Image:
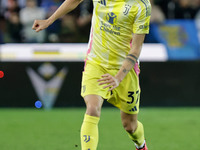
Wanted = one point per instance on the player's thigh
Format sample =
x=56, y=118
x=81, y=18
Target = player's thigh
x=127, y=95
x=93, y=101
x=93, y=104
x=90, y=84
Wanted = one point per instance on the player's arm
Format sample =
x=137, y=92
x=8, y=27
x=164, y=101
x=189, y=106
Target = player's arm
x=127, y=65
x=66, y=7
x=132, y=57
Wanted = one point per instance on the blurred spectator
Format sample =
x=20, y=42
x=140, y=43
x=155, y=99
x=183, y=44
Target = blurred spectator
x=1, y=38
x=11, y=7
x=198, y=24
x=69, y=32
x=75, y=26
x=85, y=16
x=197, y=19
x=3, y=4
x=179, y=9
x=11, y=14
x=21, y=3
x=39, y=2
x=14, y=28
x=50, y=6
x=84, y=20
x=189, y=8
x=157, y=16
x=2, y=29
x=27, y=17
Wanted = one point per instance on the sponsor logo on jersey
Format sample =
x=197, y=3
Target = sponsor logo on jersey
x=111, y=18
x=112, y=29
x=143, y=26
x=110, y=26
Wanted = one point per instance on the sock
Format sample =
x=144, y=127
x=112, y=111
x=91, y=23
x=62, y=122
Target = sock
x=138, y=135
x=89, y=133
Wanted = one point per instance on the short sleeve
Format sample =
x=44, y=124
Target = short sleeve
x=142, y=19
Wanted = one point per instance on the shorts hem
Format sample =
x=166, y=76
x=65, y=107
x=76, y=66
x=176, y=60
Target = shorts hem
x=104, y=97
x=124, y=110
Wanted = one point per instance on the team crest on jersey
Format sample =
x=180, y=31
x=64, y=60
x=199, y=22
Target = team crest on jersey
x=111, y=18
x=127, y=9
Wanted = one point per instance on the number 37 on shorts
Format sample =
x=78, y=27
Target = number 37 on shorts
x=133, y=100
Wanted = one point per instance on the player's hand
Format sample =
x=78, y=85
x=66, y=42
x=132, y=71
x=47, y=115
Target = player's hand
x=111, y=81
x=39, y=25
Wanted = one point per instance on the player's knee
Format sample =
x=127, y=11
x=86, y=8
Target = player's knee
x=129, y=127
x=93, y=110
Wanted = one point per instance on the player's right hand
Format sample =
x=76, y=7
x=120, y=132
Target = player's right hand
x=110, y=81
x=39, y=25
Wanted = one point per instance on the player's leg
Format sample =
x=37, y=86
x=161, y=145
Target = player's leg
x=89, y=129
x=134, y=129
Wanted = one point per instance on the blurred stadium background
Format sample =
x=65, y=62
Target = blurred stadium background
x=47, y=67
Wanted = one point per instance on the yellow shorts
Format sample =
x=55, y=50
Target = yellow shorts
x=126, y=96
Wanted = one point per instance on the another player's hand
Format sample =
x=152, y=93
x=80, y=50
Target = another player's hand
x=110, y=81
x=39, y=25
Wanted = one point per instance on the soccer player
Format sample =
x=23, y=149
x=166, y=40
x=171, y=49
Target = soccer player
x=111, y=67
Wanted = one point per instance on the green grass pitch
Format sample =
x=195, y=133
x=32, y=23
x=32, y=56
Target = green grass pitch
x=58, y=129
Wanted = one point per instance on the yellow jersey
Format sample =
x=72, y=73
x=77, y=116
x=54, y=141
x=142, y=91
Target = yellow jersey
x=113, y=24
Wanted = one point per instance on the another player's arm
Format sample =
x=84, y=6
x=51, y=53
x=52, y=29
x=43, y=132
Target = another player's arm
x=127, y=65
x=66, y=7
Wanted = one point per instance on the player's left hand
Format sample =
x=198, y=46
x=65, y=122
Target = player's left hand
x=111, y=81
